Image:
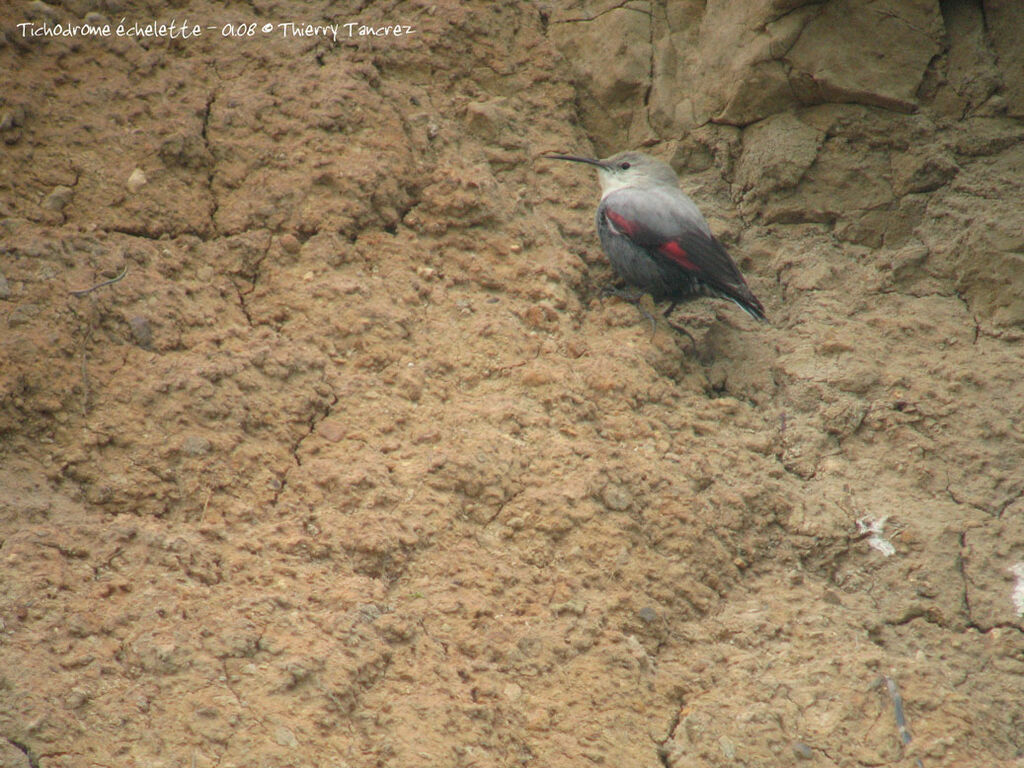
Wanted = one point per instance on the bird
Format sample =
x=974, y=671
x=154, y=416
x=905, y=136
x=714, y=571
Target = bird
x=657, y=239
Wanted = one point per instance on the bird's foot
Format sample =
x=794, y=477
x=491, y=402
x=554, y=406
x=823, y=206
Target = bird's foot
x=634, y=296
x=678, y=328
x=624, y=292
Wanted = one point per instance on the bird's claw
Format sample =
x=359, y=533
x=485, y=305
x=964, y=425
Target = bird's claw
x=680, y=329
x=634, y=297
x=627, y=293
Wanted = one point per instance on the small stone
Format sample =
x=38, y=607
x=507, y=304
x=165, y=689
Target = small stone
x=285, y=738
x=539, y=315
x=12, y=118
x=647, y=615
x=573, y=607
x=186, y=151
x=616, y=498
x=77, y=698
x=195, y=445
x=58, y=199
x=802, y=751
x=290, y=243
x=487, y=118
x=5, y=287
x=136, y=181
x=728, y=747
x=332, y=431
x=39, y=10
x=142, y=331
x=830, y=597
x=536, y=375
x=22, y=315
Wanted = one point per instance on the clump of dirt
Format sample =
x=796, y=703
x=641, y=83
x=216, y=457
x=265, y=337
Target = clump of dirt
x=346, y=460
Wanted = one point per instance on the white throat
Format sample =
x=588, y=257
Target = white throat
x=611, y=182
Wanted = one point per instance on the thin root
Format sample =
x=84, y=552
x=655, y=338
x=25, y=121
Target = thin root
x=111, y=281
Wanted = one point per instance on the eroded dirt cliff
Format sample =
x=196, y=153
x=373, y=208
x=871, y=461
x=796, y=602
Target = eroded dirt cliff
x=355, y=466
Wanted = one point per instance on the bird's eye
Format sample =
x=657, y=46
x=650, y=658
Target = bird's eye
x=624, y=166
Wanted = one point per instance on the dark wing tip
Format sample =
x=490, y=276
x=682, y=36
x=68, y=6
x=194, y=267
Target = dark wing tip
x=757, y=310
x=748, y=302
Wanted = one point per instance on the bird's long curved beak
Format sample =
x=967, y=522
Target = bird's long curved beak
x=575, y=159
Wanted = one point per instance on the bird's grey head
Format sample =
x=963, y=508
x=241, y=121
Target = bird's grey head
x=628, y=169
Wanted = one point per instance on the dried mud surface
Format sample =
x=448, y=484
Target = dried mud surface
x=356, y=467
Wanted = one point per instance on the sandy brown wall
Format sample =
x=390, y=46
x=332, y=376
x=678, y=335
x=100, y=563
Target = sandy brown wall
x=355, y=466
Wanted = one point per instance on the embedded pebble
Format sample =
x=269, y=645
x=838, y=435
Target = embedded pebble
x=194, y=445
x=142, y=331
x=136, y=181
x=59, y=198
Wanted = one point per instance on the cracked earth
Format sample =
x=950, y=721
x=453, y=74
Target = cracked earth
x=355, y=465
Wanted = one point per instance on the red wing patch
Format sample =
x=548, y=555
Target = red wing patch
x=674, y=251
x=624, y=225
x=670, y=248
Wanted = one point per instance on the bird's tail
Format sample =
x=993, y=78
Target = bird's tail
x=751, y=306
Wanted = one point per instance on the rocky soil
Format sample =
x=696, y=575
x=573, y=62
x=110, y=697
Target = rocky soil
x=347, y=462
